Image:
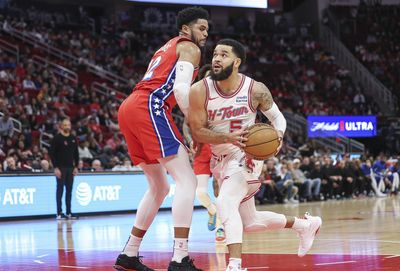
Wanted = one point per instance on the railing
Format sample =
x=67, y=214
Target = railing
x=340, y=144
x=17, y=124
x=10, y=48
x=107, y=91
x=57, y=69
x=55, y=52
x=106, y=75
x=44, y=139
x=383, y=96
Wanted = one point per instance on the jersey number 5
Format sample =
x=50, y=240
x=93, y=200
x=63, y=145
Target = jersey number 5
x=235, y=125
x=152, y=65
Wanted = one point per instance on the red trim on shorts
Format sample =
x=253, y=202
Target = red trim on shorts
x=220, y=93
x=255, y=192
x=250, y=95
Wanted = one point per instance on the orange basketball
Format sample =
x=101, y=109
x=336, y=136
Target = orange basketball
x=263, y=141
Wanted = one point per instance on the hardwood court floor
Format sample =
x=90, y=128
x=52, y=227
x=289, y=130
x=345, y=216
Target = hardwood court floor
x=361, y=234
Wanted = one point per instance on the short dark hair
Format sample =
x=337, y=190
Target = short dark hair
x=190, y=15
x=237, y=48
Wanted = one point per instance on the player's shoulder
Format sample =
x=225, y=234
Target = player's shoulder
x=187, y=46
x=199, y=85
x=259, y=86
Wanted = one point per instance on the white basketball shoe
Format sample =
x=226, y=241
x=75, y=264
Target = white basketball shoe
x=307, y=235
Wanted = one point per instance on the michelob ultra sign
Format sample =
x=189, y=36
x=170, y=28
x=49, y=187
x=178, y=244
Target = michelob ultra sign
x=348, y=126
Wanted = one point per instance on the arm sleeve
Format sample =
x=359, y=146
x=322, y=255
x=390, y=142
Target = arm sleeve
x=276, y=117
x=183, y=79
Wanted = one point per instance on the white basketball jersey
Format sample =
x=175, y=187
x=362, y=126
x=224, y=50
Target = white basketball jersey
x=228, y=113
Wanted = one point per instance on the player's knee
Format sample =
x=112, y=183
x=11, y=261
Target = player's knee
x=160, y=191
x=224, y=206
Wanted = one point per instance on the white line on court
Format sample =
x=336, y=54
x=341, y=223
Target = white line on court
x=332, y=263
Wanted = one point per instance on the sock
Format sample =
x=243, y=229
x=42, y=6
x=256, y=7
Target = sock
x=218, y=223
x=300, y=224
x=131, y=248
x=235, y=263
x=180, y=249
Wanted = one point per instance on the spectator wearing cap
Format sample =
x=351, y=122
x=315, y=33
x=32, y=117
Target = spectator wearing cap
x=310, y=187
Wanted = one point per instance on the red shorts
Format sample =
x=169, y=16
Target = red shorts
x=149, y=130
x=201, y=163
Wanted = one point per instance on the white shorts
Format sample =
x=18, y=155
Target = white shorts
x=224, y=166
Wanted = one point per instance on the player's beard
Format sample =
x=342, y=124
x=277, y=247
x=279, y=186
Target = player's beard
x=196, y=41
x=223, y=74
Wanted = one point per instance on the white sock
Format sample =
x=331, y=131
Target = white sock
x=300, y=224
x=131, y=248
x=235, y=263
x=180, y=249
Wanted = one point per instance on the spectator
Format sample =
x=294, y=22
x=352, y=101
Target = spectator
x=65, y=157
x=84, y=152
x=11, y=165
x=96, y=165
x=310, y=187
x=45, y=165
x=6, y=125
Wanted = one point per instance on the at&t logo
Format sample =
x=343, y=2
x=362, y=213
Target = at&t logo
x=85, y=195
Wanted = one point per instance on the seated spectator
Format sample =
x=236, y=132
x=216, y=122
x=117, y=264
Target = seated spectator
x=310, y=187
x=28, y=83
x=10, y=165
x=96, y=165
x=125, y=166
x=45, y=166
x=286, y=185
x=335, y=178
x=269, y=191
x=6, y=125
x=84, y=152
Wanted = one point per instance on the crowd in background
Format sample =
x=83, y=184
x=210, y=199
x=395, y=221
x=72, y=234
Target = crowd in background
x=372, y=33
x=302, y=76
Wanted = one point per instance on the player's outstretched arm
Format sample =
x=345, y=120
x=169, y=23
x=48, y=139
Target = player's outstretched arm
x=198, y=120
x=188, y=58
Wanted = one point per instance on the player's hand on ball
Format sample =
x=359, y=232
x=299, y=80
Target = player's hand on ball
x=237, y=138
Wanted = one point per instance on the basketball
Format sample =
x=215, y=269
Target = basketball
x=263, y=141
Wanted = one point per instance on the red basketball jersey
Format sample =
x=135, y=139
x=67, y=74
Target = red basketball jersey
x=160, y=75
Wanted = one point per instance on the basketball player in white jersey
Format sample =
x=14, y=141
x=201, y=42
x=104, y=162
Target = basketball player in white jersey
x=221, y=107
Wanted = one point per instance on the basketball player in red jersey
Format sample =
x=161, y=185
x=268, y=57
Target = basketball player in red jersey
x=154, y=142
x=222, y=106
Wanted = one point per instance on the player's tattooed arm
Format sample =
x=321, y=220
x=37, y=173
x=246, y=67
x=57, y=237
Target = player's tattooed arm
x=261, y=97
x=198, y=120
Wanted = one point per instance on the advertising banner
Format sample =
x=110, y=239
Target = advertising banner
x=348, y=126
x=36, y=195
